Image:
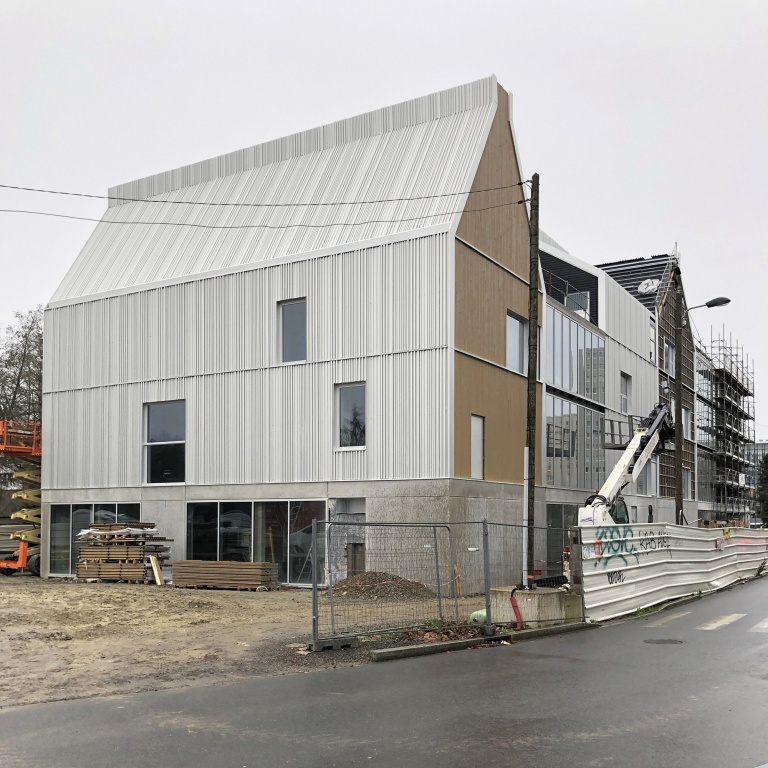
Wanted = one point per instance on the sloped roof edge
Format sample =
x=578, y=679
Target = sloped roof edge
x=397, y=116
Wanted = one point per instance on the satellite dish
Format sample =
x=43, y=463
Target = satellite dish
x=648, y=286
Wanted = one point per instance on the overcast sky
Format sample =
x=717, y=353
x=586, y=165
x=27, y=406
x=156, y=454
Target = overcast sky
x=647, y=120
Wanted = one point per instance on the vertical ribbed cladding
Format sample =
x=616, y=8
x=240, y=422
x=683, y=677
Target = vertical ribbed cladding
x=393, y=118
x=627, y=323
x=376, y=314
x=417, y=162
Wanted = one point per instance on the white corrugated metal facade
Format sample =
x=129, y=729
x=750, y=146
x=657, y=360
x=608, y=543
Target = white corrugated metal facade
x=250, y=419
x=291, y=195
x=153, y=311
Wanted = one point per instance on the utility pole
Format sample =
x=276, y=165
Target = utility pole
x=533, y=361
x=678, y=396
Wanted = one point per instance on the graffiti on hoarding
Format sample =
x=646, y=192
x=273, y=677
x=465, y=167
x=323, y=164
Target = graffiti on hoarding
x=616, y=577
x=615, y=543
x=653, y=540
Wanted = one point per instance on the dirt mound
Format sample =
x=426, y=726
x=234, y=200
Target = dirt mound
x=377, y=585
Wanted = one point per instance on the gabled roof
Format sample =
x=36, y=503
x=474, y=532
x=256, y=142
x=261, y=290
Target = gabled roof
x=413, y=160
x=634, y=273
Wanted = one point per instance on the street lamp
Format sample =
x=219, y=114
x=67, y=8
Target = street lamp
x=680, y=322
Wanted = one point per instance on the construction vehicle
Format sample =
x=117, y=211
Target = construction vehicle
x=22, y=442
x=607, y=507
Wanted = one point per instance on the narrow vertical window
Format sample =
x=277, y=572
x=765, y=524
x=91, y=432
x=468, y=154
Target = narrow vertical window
x=517, y=344
x=686, y=423
x=625, y=395
x=478, y=447
x=293, y=331
x=351, y=415
x=165, y=441
x=669, y=358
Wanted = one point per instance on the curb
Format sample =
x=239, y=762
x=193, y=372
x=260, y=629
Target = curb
x=407, y=651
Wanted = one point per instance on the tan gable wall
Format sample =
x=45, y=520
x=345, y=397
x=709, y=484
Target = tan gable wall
x=485, y=292
x=502, y=231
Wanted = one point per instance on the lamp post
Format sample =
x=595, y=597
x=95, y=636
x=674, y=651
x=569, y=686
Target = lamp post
x=681, y=320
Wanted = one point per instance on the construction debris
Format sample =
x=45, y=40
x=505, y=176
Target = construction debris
x=377, y=585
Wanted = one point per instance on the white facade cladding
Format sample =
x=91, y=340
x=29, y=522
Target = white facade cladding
x=178, y=294
x=395, y=171
x=251, y=419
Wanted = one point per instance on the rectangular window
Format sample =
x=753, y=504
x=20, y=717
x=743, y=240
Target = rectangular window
x=652, y=355
x=517, y=344
x=277, y=532
x=550, y=345
x=578, y=303
x=669, y=358
x=351, y=415
x=478, y=447
x=625, y=395
x=686, y=423
x=165, y=441
x=293, y=331
x=686, y=483
x=60, y=538
x=67, y=520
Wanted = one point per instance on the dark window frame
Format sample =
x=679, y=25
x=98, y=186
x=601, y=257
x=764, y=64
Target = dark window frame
x=282, y=335
x=355, y=441
x=157, y=448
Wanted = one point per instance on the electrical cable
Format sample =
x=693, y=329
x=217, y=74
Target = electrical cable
x=261, y=226
x=260, y=205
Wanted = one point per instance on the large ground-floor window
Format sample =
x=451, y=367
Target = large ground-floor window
x=67, y=520
x=259, y=531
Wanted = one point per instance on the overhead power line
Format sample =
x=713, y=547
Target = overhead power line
x=260, y=226
x=262, y=205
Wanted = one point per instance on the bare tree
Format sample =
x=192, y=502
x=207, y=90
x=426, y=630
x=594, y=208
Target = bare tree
x=21, y=367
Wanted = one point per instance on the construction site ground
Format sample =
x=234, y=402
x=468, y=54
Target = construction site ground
x=65, y=640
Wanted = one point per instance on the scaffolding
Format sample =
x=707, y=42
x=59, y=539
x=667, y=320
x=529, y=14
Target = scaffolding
x=731, y=389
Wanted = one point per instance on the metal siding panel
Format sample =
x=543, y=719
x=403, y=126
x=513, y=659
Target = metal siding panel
x=421, y=150
x=376, y=314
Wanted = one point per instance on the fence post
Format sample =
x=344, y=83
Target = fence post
x=315, y=600
x=437, y=570
x=453, y=571
x=329, y=575
x=488, y=629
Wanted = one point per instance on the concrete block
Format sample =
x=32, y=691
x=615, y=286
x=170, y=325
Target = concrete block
x=542, y=607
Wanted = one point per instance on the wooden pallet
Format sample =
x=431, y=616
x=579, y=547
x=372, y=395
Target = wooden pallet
x=106, y=527
x=224, y=574
x=113, y=552
x=112, y=571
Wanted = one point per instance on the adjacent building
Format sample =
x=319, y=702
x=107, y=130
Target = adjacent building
x=729, y=384
x=601, y=378
x=653, y=281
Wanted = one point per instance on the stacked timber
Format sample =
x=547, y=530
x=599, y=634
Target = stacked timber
x=224, y=574
x=120, y=552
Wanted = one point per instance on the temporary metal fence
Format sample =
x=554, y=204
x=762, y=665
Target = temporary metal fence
x=376, y=578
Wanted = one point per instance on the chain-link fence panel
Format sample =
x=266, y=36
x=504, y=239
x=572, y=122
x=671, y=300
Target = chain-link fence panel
x=373, y=578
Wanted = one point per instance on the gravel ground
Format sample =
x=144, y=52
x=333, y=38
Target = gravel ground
x=63, y=640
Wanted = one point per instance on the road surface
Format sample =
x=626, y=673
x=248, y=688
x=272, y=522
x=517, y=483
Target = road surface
x=621, y=695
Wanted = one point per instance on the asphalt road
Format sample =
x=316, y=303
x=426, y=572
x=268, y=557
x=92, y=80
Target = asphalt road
x=603, y=697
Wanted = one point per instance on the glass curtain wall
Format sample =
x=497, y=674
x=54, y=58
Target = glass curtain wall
x=67, y=520
x=575, y=357
x=575, y=455
x=263, y=531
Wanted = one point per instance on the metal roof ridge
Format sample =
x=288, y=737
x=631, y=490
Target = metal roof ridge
x=423, y=109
